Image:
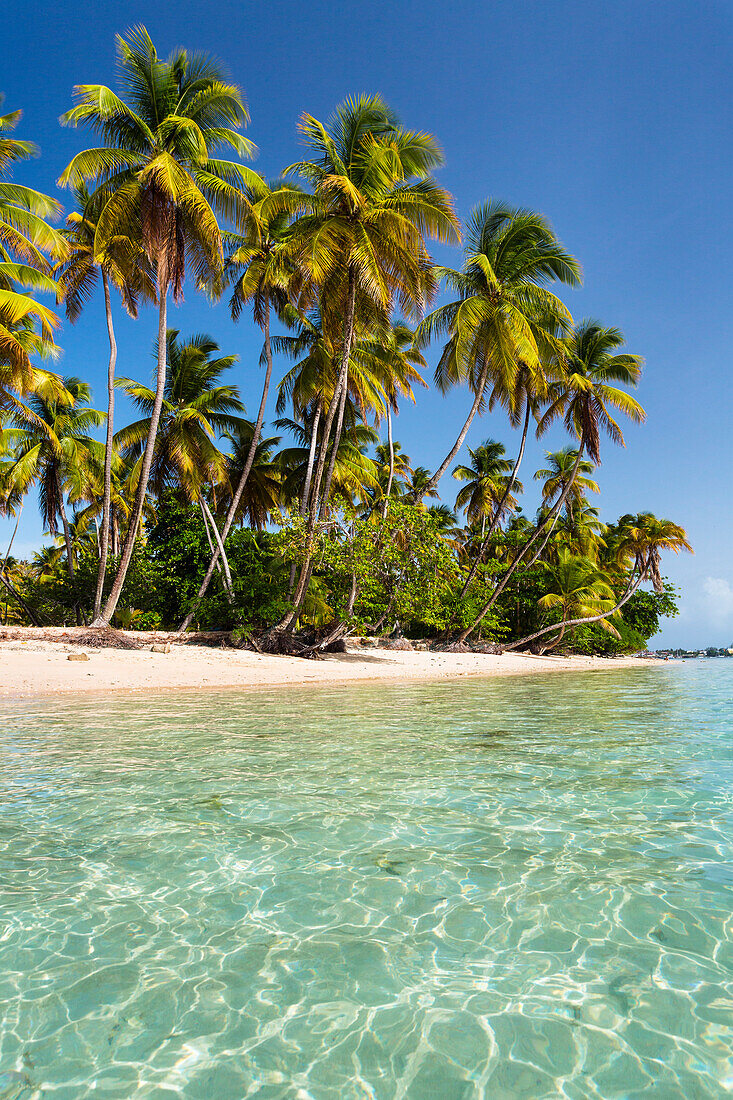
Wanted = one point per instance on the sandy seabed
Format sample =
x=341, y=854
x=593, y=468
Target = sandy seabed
x=33, y=666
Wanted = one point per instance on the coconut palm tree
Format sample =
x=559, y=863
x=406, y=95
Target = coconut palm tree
x=197, y=407
x=585, y=401
x=643, y=539
x=266, y=271
x=393, y=469
x=396, y=359
x=28, y=245
x=486, y=479
x=53, y=450
x=561, y=474
x=158, y=182
x=418, y=486
x=579, y=590
x=124, y=266
x=355, y=476
x=504, y=317
x=261, y=497
x=364, y=229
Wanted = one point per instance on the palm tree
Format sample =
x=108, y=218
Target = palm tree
x=53, y=449
x=196, y=408
x=27, y=246
x=126, y=267
x=418, y=485
x=159, y=183
x=364, y=230
x=397, y=359
x=580, y=591
x=266, y=272
x=584, y=399
x=561, y=474
x=355, y=475
x=261, y=496
x=393, y=468
x=485, y=491
x=504, y=318
x=643, y=538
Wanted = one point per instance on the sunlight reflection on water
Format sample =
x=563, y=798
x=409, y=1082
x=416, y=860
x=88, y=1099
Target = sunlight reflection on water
x=503, y=889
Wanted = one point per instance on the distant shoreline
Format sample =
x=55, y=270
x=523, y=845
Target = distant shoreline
x=32, y=666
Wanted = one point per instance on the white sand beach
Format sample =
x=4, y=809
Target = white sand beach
x=32, y=665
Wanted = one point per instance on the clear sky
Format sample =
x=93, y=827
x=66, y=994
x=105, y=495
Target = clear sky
x=611, y=117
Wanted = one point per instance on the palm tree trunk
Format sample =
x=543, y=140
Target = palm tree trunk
x=462, y=435
x=307, y=485
x=499, y=507
x=67, y=541
x=108, y=611
x=336, y=403
x=631, y=589
x=550, y=518
x=209, y=519
x=337, y=432
x=243, y=479
x=311, y=459
x=104, y=544
x=65, y=524
x=348, y=337
x=390, y=479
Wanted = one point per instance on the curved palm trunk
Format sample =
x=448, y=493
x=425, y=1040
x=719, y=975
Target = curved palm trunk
x=577, y=622
x=551, y=519
x=461, y=437
x=390, y=479
x=499, y=508
x=108, y=611
x=220, y=552
x=243, y=479
x=104, y=540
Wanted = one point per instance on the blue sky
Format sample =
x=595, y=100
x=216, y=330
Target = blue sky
x=613, y=118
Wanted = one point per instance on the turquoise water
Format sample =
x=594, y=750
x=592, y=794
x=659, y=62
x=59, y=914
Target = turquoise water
x=514, y=888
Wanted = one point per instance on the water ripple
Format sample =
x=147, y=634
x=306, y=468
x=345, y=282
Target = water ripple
x=508, y=889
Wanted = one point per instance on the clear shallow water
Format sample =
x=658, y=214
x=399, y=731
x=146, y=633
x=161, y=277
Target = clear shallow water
x=504, y=889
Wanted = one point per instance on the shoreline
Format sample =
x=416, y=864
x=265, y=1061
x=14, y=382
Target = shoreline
x=32, y=666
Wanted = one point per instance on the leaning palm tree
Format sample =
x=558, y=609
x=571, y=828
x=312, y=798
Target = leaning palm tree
x=644, y=537
x=28, y=245
x=579, y=590
x=158, y=182
x=124, y=266
x=504, y=319
x=363, y=232
x=486, y=482
x=586, y=402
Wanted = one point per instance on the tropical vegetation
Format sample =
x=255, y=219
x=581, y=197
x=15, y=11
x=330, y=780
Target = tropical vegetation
x=294, y=533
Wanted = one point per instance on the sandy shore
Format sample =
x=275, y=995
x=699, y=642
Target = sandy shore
x=31, y=667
